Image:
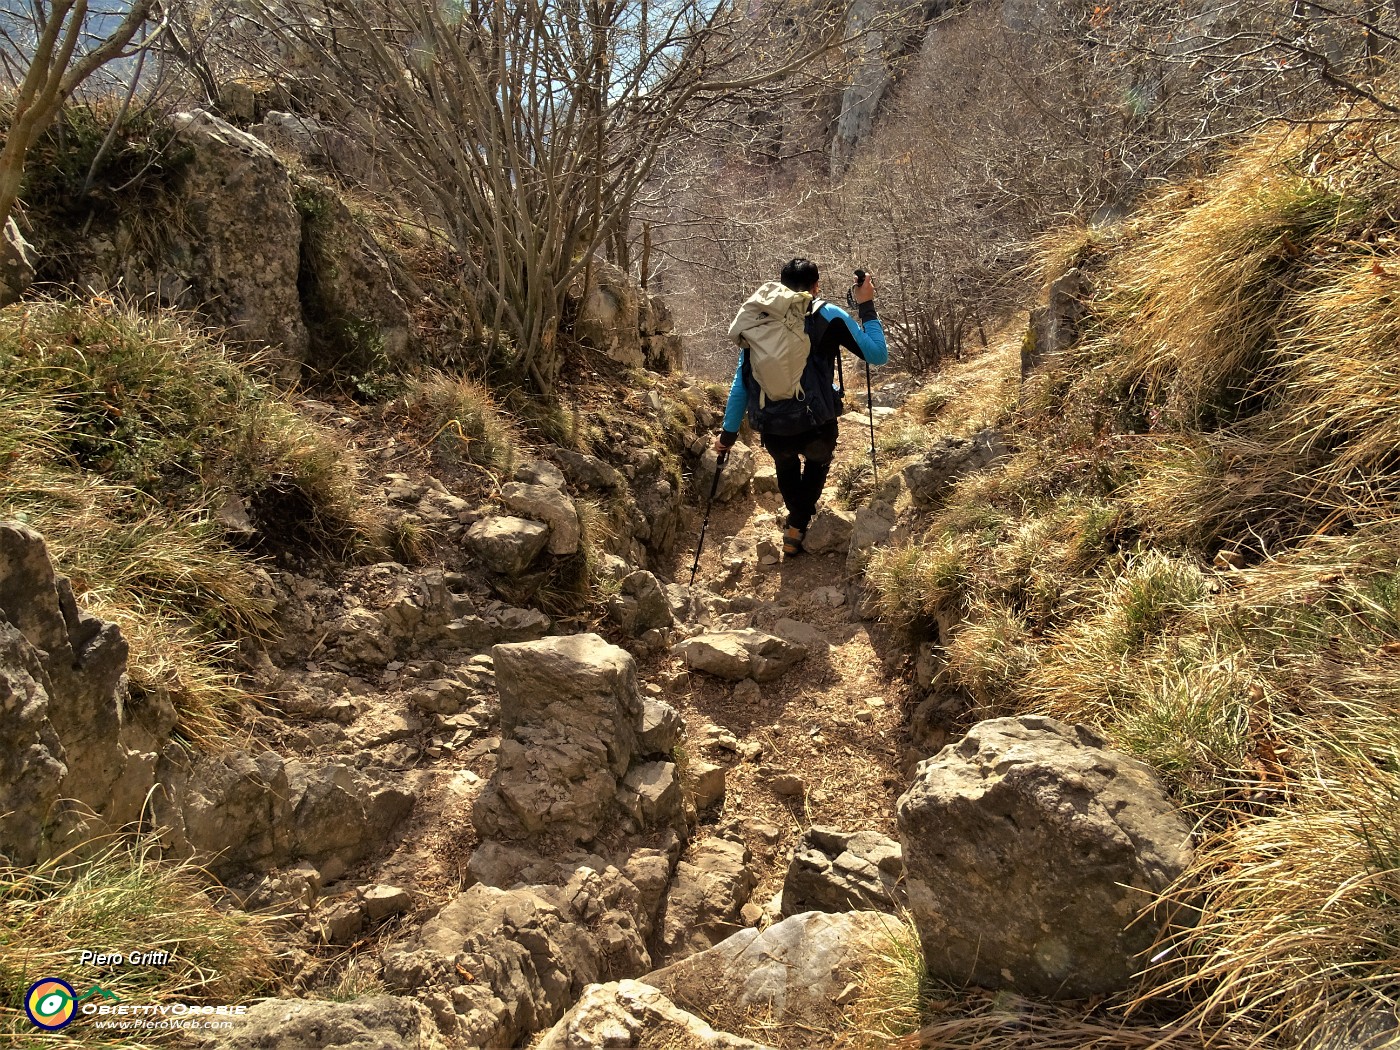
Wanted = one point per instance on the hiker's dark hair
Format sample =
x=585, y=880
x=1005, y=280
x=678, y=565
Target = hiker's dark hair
x=800, y=274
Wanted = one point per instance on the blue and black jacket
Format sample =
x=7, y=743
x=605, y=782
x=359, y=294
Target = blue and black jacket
x=830, y=329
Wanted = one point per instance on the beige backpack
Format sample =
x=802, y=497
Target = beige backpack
x=772, y=324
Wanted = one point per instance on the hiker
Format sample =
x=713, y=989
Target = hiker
x=790, y=344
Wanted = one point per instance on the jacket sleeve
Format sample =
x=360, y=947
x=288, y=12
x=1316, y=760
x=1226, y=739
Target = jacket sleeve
x=866, y=339
x=738, y=402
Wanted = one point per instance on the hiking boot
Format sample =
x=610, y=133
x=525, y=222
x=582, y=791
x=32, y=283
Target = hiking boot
x=792, y=541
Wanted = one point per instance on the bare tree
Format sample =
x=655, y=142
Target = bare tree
x=48, y=48
x=532, y=125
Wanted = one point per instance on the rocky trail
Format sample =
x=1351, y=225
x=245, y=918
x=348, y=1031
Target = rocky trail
x=392, y=707
x=671, y=822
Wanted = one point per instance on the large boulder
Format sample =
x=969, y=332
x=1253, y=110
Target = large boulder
x=1031, y=851
x=570, y=712
x=833, y=870
x=792, y=973
x=736, y=655
x=311, y=1024
x=71, y=746
x=629, y=1013
x=238, y=246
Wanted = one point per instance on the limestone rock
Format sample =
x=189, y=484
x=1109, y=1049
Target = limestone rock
x=652, y=791
x=803, y=634
x=66, y=729
x=16, y=267
x=641, y=604
x=830, y=530
x=626, y=1013
x=739, y=467
x=1030, y=851
x=929, y=477
x=244, y=255
x=246, y=812
x=661, y=730
x=507, y=544
x=358, y=318
x=380, y=902
x=570, y=710
x=658, y=505
x=540, y=472
x=237, y=811
x=872, y=528
x=608, y=314
x=495, y=965
x=793, y=971
x=588, y=472
x=1055, y=325
x=550, y=505
x=702, y=907
x=736, y=655
x=833, y=870
x=707, y=782
x=663, y=353
x=765, y=478
x=371, y=1023
x=654, y=316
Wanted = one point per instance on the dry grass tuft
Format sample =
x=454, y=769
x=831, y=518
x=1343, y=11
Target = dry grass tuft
x=1235, y=391
x=121, y=437
x=122, y=898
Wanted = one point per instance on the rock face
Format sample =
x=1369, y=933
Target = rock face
x=65, y=728
x=241, y=264
x=833, y=870
x=362, y=1024
x=627, y=1013
x=794, y=971
x=16, y=267
x=570, y=713
x=1055, y=326
x=929, y=477
x=1030, y=851
x=736, y=655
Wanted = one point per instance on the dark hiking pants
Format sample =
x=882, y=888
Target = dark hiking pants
x=802, y=462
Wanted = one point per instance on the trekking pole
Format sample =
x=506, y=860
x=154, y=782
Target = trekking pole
x=869, y=398
x=714, y=487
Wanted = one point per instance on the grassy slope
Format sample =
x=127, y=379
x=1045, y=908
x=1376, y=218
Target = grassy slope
x=1197, y=549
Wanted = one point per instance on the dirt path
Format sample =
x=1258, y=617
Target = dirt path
x=834, y=722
